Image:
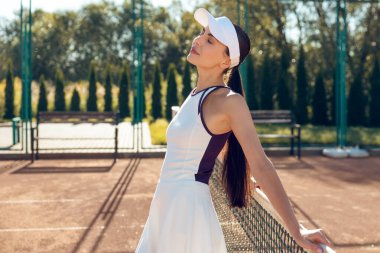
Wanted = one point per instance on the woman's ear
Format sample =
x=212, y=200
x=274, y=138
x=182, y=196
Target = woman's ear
x=225, y=64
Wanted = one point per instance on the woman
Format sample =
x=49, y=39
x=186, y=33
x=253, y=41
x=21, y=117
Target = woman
x=182, y=217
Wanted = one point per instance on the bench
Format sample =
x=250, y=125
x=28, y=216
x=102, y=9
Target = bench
x=280, y=117
x=74, y=117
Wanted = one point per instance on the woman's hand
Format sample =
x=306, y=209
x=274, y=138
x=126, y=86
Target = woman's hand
x=310, y=239
x=307, y=239
x=253, y=184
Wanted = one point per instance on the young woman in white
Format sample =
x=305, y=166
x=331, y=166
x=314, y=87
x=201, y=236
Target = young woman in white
x=182, y=218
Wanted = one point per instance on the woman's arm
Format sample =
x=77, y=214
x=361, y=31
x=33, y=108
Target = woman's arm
x=261, y=168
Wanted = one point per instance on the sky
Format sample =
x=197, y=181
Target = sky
x=8, y=7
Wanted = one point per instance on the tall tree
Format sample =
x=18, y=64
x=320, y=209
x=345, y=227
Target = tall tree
x=92, y=99
x=374, y=109
x=9, y=93
x=267, y=84
x=171, y=92
x=59, y=98
x=186, y=80
x=284, y=98
x=356, y=103
x=124, y=94
x=42, y=98
x=333, y=102
x=156, y=94
x=251, y=85
x=75, y=101
x=302, y=88
x=144, y=97
x=319, y=102
x=108, y=91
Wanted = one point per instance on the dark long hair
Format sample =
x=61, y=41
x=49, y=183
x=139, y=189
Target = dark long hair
x=235, y=175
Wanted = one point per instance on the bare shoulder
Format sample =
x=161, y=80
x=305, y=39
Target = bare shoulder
x=228, y=96
x=234, y=99
x=230, y=103
x=234, y=103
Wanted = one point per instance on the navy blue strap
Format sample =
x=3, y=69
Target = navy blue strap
x=203, y=95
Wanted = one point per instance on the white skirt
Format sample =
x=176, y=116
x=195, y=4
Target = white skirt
x=182, y=219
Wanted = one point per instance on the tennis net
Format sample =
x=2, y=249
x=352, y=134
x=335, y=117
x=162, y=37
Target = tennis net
x=256, y=228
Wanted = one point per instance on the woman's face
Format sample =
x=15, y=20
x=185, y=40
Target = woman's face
x=208, y=52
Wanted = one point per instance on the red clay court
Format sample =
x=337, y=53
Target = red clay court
x=94, y=206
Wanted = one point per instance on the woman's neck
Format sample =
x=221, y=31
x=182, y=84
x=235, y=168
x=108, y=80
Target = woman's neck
x=207, y=78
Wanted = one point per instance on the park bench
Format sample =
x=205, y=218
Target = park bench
x=274, y=117
x=74, y=117
x=280, y=117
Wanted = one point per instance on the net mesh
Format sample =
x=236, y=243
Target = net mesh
x=256, y=228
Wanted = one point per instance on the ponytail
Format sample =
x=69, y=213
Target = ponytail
x=234, y=81
x=235, y=174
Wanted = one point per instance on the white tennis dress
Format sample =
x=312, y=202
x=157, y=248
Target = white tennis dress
x=182, y=218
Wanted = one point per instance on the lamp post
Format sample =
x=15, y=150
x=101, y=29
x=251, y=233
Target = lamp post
x=340, y=86
x=340, y=82
x=26, y=68
x=137, y=58
x=137, y=69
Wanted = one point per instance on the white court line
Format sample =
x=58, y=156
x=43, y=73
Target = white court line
x=41, y=201
x=47, y=229
x=33, y=201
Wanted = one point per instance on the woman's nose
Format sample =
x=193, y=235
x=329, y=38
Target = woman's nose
x=198, y=40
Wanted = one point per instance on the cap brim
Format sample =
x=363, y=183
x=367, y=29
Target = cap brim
x=206, y=19
x=217, y=28
x=203, y=16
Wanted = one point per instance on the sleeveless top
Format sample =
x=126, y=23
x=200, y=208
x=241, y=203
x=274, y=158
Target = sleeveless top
x=191, y=148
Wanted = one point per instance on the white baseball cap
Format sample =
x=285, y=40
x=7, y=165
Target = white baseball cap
x=223, y=30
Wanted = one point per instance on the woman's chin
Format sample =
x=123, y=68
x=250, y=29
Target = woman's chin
x=189, y=58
